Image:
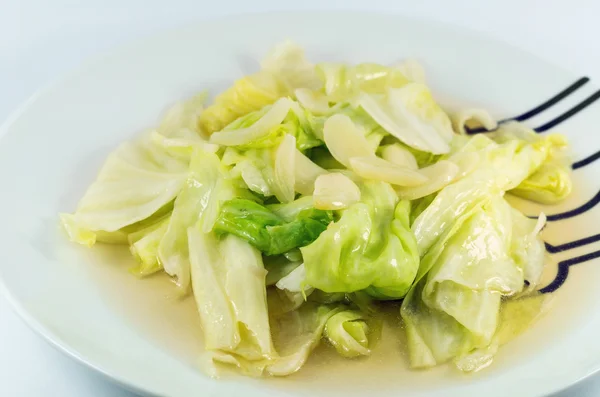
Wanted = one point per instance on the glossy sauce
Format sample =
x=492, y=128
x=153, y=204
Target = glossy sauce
x=154, y=308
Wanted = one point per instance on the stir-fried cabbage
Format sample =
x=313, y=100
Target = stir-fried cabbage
x=348, y=332
x=306, y=197
x=411, y=115
x=344, y=82
x=144, y=245
x=370, y=248
x=139, y=180
x=454, y=308
x=284, y=70
x=266, y=230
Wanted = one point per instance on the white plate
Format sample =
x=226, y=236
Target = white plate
x=137, y=333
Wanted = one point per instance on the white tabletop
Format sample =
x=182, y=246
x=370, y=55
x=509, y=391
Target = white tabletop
x=41, y=40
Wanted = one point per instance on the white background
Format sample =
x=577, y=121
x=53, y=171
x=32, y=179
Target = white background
x=41, y=40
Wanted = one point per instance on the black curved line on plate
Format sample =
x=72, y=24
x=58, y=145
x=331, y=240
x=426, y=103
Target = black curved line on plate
x=563, y=271
x=553, y=249
x=574, y=212
x=540, y=108
x=552, y=101
x=569, y=113
x=586, y=161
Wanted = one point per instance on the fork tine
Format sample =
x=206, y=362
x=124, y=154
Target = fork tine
x=570, y=113
x=576, y=211
x=559, y=280
x=586, y=161
x=553, y=249
x=552, y=101
x=540, y=108
x=563, y=271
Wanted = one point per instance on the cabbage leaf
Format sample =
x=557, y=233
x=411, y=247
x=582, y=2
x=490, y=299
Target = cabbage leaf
x=228, y=279
x=266, y=230
x=411, y=114
x=139, y=179
x=369, y=248
x=205, y=188
x=284, y=70
x=453, y=309
x=348, y=332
